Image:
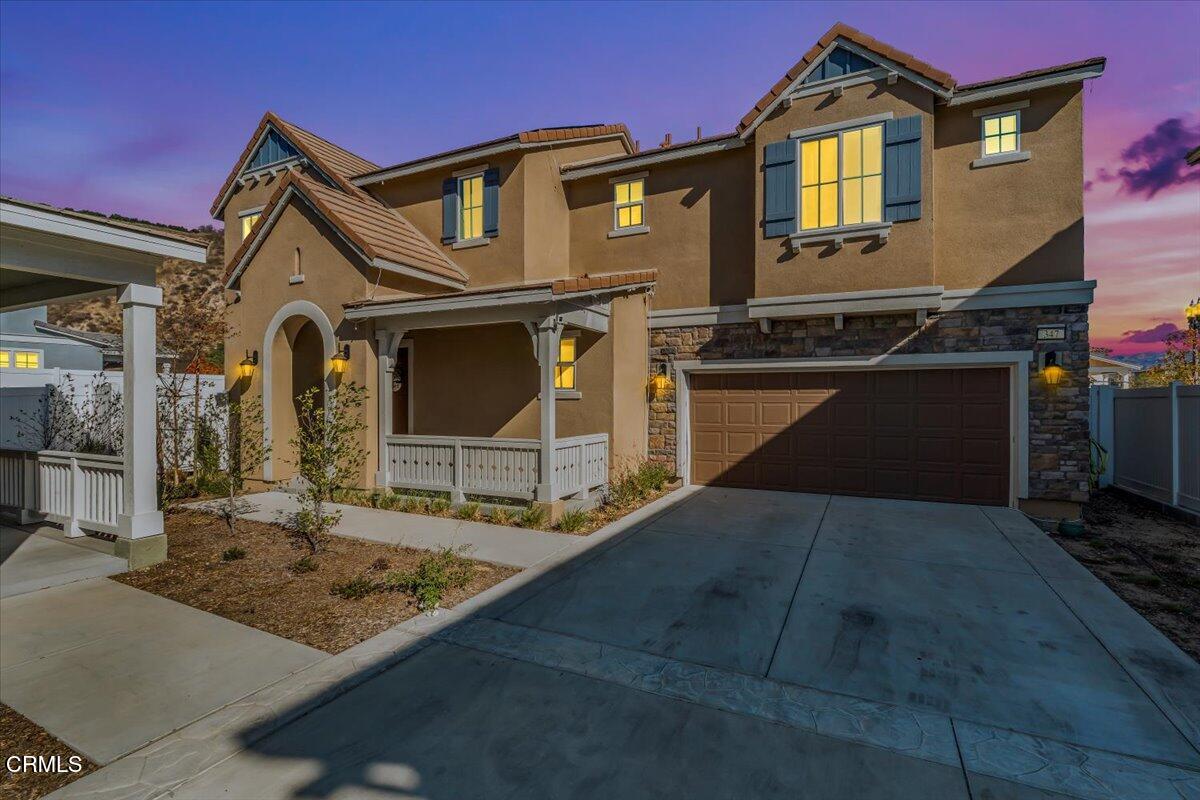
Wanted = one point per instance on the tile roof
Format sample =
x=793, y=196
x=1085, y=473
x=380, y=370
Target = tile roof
x=336, y=162
x=653, y=151
x=1098, y=61
x=378, y=231
x=535, y=136
x=579, y=283
x=911, y=62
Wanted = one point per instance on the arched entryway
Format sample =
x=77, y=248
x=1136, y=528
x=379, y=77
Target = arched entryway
x=297, y=346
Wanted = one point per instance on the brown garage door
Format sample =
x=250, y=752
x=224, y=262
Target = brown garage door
x=935, y=434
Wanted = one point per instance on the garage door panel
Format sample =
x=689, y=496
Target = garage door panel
x=924, y=434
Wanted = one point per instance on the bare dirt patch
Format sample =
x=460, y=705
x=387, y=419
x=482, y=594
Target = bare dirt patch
x=20, y=737
x=267, y=589
x=1150, y=560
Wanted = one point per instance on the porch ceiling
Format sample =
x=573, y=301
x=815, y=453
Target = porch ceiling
x=49, y=254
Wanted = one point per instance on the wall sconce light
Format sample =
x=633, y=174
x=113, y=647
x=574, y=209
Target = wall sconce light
x=1051, y=371
x=340, y=360
x=661, y=383
x=246, y=365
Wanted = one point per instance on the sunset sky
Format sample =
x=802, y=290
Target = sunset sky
x=141, y=109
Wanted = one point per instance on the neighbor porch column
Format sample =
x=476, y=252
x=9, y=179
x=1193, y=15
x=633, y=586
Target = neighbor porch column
x=140, y=517
x=547, y=355
x=386, y=342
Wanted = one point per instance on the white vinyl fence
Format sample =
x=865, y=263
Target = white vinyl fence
x=1152, y=437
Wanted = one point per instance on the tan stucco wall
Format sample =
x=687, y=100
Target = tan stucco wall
x=905, y=260
x=1011, y=223
x=701, y=218
x=243, y=198
x=630, y=339
x=331, y=278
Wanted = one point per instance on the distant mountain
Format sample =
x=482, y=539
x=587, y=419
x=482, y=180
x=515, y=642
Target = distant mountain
x=191, y=280
x=1141, y=359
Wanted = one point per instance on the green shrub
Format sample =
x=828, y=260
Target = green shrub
x=634, y=484
x=467, y=511
x=355, y=588
x=532, y=517
x=500, y=516
x=652, y=476
x=439, y=506
x=233, y=553
x=573, y=520
x=435, y=575
x=304, y=564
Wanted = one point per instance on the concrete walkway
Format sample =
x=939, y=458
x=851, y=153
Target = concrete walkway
x=38, y=557
x=108, y=668
x=732, y=644
x=498, y=544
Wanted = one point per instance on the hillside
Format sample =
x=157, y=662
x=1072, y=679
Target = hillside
x=197, y=284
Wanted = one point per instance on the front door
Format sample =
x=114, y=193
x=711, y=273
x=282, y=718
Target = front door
x=400, y=390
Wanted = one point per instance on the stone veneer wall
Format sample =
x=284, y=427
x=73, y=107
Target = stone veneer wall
x=1058, y=418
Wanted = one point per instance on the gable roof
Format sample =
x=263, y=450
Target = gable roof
x=335, y=162
x=383, y=237
x=515, y=141
x=843, y=31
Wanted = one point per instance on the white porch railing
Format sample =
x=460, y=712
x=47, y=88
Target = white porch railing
x=502, y=467
x=79, y=491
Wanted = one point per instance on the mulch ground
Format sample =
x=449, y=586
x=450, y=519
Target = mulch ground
x=20, y=737
x=265, y=590
x=1150, y=560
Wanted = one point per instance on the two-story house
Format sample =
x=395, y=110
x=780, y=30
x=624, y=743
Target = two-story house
x=872, y=285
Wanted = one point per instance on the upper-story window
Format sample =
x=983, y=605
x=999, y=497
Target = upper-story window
x=470, y=209
x=841, y=179
x=1002, y=133
x=629, y=203
x=248, y=219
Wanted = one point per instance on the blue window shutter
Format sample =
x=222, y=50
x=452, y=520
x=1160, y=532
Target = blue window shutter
x=491, y=202
x=449, y=210
x=779, y=188
x=902, y=169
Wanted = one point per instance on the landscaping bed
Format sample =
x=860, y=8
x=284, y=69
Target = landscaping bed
x=629, y=491
x=263, y=577
x=21, y=737
x=1150, y=560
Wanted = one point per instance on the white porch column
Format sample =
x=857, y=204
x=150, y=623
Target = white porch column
x=140, y=516
x=547, y=354
x=386, y=342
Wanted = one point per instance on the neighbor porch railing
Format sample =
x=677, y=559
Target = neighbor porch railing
x=79, y=491
x=501, y=467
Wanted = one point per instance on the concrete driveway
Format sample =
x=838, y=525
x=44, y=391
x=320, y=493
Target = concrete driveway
x=758, y=644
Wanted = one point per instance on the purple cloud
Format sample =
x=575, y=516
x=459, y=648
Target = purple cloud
x=1150, y=335
x=1156, y=161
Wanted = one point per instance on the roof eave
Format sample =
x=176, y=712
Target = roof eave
x=572, y=172
x=1019, y=86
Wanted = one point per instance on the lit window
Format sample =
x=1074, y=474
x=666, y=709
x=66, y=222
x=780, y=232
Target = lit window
x=564, y=370
x=629, y=199
x=27, y=359
x=5, y=359
x=470, y=217
x=851, y=195
x=248, y=223
x=1001, y=133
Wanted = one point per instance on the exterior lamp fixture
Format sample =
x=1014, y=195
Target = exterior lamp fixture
x=246, y=365
x=340, y=360
x=661, y=383
x=1051, y=371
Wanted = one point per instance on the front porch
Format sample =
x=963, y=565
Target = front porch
x=483, y=362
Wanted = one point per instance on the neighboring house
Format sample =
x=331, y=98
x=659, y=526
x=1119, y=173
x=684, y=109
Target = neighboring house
x=873, y=285
x=1106, y=371
x=26, y=345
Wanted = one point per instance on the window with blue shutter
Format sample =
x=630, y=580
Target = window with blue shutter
x=779, y=188
x=449, y=210
x=902, y=169
x=491, y=202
